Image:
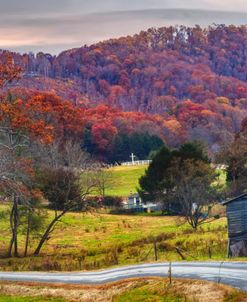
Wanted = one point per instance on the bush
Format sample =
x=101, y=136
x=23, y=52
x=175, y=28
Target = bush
x=107, y=201
x=111, y=201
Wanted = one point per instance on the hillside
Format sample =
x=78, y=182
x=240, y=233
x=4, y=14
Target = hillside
x=192, y=80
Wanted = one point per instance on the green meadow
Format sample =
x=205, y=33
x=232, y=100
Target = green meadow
x=124, y=179
x=96, y=240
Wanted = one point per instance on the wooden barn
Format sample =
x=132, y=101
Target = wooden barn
x=236, y=210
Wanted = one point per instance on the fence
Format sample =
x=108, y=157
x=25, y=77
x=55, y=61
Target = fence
x=136, y=163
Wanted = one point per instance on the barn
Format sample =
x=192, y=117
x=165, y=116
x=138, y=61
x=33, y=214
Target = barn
x=236, y=210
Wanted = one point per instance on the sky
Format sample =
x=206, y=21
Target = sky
x=56, y=25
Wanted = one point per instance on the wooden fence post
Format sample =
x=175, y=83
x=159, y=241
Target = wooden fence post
x=155, y=251
x=170, y=273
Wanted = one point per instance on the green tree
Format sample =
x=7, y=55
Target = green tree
x=234, y=156
x=141, y=144
x=157, y=183
x=192, y=182
x=151, y=184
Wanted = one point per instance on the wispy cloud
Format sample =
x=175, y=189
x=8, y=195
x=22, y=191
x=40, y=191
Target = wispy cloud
x=57, y=30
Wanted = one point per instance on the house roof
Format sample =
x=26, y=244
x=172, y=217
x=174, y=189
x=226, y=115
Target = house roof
x=134, y=195
x=233, y=199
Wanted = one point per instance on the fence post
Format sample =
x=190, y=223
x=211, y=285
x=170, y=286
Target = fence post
x=170, y=273
x=155, y=251
x=219, y=278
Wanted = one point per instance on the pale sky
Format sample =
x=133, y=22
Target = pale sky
x=56, y=25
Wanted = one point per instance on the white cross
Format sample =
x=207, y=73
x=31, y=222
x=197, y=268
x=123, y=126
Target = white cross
x=133, y=158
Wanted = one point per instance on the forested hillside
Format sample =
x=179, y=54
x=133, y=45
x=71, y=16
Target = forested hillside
x=177, y=83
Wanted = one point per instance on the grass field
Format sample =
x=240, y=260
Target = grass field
x=124, y=180
x=92, y=241
x=95, y=240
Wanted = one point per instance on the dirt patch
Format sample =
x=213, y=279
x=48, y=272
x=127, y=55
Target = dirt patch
x=193, y=290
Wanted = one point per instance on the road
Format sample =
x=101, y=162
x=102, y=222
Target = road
x=231, y=273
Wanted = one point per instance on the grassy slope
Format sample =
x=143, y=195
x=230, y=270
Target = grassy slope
x=125, y=180
x=98, y=240
x=91, y=241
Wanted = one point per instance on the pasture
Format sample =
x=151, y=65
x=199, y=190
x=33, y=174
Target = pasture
x=124, y=179
x=94, y=240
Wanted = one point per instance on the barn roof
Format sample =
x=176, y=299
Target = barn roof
x=234, y=199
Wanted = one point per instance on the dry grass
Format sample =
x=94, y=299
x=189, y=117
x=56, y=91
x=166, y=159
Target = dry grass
x=196, y=291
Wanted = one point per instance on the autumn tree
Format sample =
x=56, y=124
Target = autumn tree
x=19, y=126
x=234, y=156
x=9, y=71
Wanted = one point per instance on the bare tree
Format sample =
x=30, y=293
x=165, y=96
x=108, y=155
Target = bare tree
x=67, y=178
x=14, y=175
x=105, y=180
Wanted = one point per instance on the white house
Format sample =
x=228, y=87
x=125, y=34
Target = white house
x=135, y=203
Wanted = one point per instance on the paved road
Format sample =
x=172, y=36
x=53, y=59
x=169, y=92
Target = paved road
x=234, y=274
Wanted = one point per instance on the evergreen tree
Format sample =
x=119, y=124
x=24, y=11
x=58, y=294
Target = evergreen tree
x=157, y=183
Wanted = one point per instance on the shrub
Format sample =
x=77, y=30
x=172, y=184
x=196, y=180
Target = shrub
x=111, y=201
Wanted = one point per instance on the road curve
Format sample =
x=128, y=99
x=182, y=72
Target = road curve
x=230, y=273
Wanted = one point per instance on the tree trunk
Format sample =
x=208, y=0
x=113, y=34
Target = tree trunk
x=155, y=251
x=16, y=222
x=11, y=227
x=46, y=233
x=28, y=233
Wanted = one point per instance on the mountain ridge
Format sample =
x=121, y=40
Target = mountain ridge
x=193, y=78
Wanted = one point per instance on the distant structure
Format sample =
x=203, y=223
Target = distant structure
x=134, y=162
x=134, y=203
x=132, y=158
x=236, y=209
x=220, y=166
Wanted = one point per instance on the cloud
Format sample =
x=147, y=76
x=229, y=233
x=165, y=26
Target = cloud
x=56, y=32
x=24, y=7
